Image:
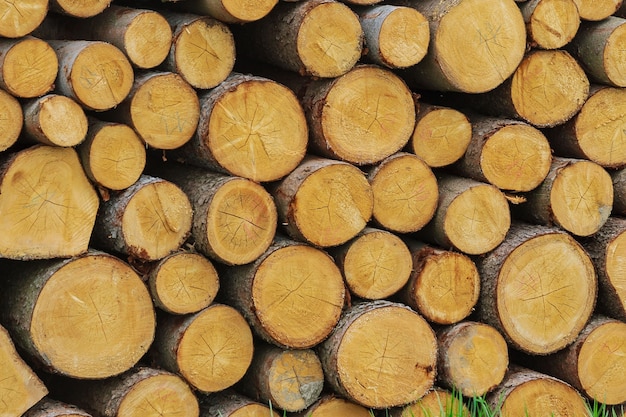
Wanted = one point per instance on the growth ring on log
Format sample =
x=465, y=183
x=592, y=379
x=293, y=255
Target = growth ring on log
x=55, y=120
x=81, y=9
x=372, y=357
x=12, y=122
x=551, y=24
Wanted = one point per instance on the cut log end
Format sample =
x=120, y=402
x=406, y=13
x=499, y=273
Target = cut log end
x=20, y=385
x=17, y=20
x=437, y=402
x=441, y=135
x=477, y=219
x=613, y=56
x=204, y=52
x=82, y=9
x=111, y=312
x=404, y=38
x=330, y=206
x=331, y=406
x=444, y=286
x=595, y=10
x=239, y=11
x=11, y=124
x=375, y=264
x=55, y=120
x=147, y=39
x=473, y=358
x=241, y=222
x=248, y=138
x=61, y=221
x=558, y=291
x=548, y=88
x=553, y=23
x=369, y=115
x=113, y=156
x=477, y=58
x=297, y=295
x=582, y=197
x=156, y=221
x=372, y=358
x=405, y=193
x=334, y=50
x=101, y=76
x=517, y=158
x=164, y=110
x=183, y=283
x=216, y=349
x=29, y=67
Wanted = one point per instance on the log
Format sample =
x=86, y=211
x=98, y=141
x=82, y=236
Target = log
x=469, y=58
x=230, y=11
x=147, y=221
x=547, y=89
x=577, y=195
x=550, y=24
x=606, y=250
x=291, y=296
x=441, y=136
x=239, y=134
x=143, y=35
x=511, y=155
x=619, y=190
x=87, y=317
x=597, y=10
x=229, y=403
x=594, y=362
x=473, y=358
x=405, y=193
x=330, y=405
x=184, y=282
x=395, y=36
x=472, y=217
x=375, y=264
x=318, y=38
x=162, y=108
x=529, y=393
x=324, y=202
x=596, y=132
x=444, y=285
x=538, y=288
x=12, y=121
x=28, y=66
x=48, y=407
x=48, y=206
x=21, y=387
x=371, y=356
x=437, y=402
x=289, y=379
x=96, y=74
x=202, y=51
x=210, y=349
x=142, y=390
x=596, y=47
x=21, y=19
x=234, y=218
x=361, y=117
x=112, y=154
x=85, y=8
x=54, y=120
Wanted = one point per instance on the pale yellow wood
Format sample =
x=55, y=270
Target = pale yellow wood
x=596, y=10
x=614, y=56
x=404, y=37
x=89, y=311
x=436, y=403
x=79, y=8
x=231, y=11
x=55, y=120
x=147, y=39
x=557, y=292
x=216, y=349
x=163, y=395
x=552, y=23
x=29, y=67
x=329, y=41
x=441, y=135
x=11, y=120
x=295, y=379
x=18, y=19
x=332, y=406
x=254, y=410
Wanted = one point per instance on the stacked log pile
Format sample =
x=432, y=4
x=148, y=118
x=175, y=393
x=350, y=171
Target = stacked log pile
x=317, y=207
